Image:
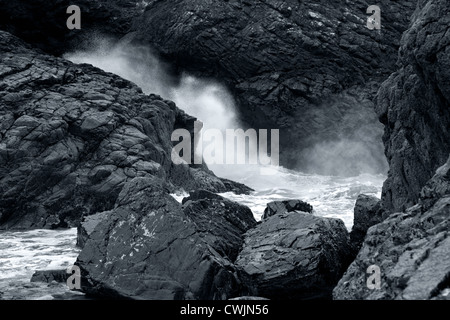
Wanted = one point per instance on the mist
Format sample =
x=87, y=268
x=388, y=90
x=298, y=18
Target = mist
x=207, y=100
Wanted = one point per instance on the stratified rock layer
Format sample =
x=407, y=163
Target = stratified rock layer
x=411, y=248
x=72, y=135
x=414, y=106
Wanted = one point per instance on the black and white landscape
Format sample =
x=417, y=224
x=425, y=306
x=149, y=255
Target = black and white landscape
x=358, y=207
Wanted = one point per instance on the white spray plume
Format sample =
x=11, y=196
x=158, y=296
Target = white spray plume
x=207, y=100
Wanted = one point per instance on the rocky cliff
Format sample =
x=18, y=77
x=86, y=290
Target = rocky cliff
x=414, y=106
x=411, y=247
x=309, y=68
x=72, y=135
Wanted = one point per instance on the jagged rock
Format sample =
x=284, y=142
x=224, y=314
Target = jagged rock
x=72, y=135
x=295, y=256
x=367, y=213
x=309, y=68
x=150, y=248
x=87, y=226
x=277, y=207
x=220, y=221
x=49, y=276
x=411, y=248
x=413, y=104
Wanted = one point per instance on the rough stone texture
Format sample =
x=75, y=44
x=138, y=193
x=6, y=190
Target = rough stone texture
x=49, y=276
x=87, y=226
x=149, y=248
x=219, y=221
x=277, y=207
x=309, y=68
x=72, y=135
x=295, y=256
x=367, y=213
x=412, y=249
x=414, y=106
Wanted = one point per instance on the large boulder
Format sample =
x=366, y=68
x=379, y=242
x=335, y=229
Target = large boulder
x=87, y=226
x=72, y=135
x=413, y=104
x=150, y=248
x=410, y=248
x=219, y=221
x=367, y=213
x=308, y=68
x=295, y=256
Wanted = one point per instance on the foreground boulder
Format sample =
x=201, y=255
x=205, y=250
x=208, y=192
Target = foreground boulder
x=72, y=135
x=149, y=248
x=367, y=213
x=411, y=248
x=87, y=226
x=295, y=256
x=219, y=221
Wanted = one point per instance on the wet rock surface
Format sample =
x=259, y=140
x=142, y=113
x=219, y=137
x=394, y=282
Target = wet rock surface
x=72, y=135
x=150, y=248
x=411, y=248
x=367, y=213
x=219, y=221
x=414, y=106
x=295, y=256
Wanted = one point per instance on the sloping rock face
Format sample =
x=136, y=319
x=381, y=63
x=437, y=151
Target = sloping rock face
x=295, y=255
x=219, y=221
x=150, y=248
x=309, y=68
x=411, y=248
x=72, y=135
x=414, y=106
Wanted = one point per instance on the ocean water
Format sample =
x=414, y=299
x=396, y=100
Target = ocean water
x=24, y=252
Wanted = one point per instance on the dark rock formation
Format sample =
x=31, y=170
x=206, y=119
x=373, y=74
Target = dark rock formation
x=295, y=256
x=411, y=248
x=277, y=207
x=414, y=106
x=43, y=23
x=221, y=222
x=72, y=135
x=49, y=276
x=367, y=213
x=149, y=248
x=87, y=226
x=309, y=68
